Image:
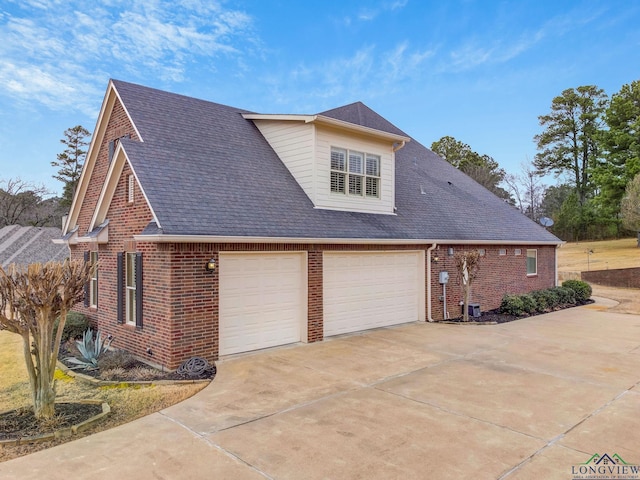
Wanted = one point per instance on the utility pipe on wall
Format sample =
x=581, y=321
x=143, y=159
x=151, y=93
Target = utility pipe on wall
x=429, y=250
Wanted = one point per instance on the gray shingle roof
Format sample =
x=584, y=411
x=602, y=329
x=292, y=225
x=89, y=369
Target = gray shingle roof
x=25, y=245
x=359, y=114
x=208, y=171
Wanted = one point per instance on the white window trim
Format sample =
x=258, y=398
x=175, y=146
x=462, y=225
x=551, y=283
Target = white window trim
x=535, y=256
x=502, y=252
x=93, y=283
x=517, y=252
x=130, y=290
x=364, y=176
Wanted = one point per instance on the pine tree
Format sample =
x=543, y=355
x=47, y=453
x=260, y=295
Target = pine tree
x=70, y=161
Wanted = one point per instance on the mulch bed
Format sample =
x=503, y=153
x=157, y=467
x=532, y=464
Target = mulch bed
x=22, y=423
x=491, y=317
x=208, y=374
x=133, y=367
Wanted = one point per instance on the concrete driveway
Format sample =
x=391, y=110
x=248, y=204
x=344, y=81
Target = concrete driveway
x=525, y=400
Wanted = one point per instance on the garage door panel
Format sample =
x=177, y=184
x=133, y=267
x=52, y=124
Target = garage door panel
x=262, y=300
x=373, y=289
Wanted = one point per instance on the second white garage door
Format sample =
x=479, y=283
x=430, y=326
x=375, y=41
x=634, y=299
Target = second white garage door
x=263, y=298
x=373, y=289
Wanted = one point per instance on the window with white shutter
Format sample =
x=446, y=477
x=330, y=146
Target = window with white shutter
x=355, y=173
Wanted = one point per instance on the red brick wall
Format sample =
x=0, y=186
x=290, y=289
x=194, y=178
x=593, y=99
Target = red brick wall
x=118, y=126
x=181, y=297
x=498, y=274
x=125, y=220
x=315, y=313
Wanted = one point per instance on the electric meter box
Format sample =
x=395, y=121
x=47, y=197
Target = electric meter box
x=444, y=277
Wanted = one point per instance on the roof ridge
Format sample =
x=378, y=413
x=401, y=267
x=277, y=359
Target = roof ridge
x=182, y=95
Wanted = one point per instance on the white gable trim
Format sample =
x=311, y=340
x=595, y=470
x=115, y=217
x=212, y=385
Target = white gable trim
x=109, y=188
x=99, y=131
x=322, y=120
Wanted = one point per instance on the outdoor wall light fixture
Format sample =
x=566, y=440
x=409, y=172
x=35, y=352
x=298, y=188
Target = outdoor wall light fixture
x=211, y=265
x=450, y=251
x=435, y=259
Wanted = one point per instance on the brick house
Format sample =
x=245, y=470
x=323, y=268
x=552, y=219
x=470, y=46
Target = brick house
x=220, y=231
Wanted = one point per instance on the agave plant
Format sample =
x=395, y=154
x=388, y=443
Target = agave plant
x=90, y=350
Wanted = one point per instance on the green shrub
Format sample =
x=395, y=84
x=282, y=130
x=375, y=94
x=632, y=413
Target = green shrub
x=542, y=300
x=529, y=304
x=74, y=327
x=581, y=289
x=552, y=297
x=512, y=305
x=566, y=296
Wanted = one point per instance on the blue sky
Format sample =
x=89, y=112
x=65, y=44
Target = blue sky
x=480, y=71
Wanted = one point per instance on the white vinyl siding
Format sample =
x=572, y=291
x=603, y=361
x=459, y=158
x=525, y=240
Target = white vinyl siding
x=305, y=149
x=130, y=288
x=364, y=290
x=263, y=300
x=293, y=142
x=532, y=262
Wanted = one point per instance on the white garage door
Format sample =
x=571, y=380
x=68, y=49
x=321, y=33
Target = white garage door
x=369, y=290
x=263, y=298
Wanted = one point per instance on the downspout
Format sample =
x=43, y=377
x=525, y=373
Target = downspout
x=556, y=265
x=429, y=250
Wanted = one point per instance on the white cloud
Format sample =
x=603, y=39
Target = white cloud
x=370, y=13
x=367, y=73
x=502, y=47
x=48, y=46
x=56, y=89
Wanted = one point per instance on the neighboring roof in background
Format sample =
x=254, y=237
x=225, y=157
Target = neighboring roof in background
x=25, y=245
x=206, y=170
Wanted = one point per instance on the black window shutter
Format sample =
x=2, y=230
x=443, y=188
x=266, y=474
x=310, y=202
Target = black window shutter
x=86, y=285
x=138, y=290
x=96, y=275
x=112, y=147
x=120, y=288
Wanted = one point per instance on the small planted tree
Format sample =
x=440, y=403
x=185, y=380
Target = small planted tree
x=31, y=299
x=467, y=266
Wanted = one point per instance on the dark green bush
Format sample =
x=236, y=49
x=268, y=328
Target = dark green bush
x=566, y=296
x=581, y=289
x=543, y=300
x=529, y=304
x=552, y=297
x=74, y=327
x=512, y=305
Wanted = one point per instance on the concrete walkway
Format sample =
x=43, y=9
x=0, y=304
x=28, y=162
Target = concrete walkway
x=523, y=400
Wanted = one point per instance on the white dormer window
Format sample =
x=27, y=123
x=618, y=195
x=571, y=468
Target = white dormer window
x=355, y=173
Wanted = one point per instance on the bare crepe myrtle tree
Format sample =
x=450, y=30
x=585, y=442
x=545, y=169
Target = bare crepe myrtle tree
x=31, y=299
x=467, y=267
